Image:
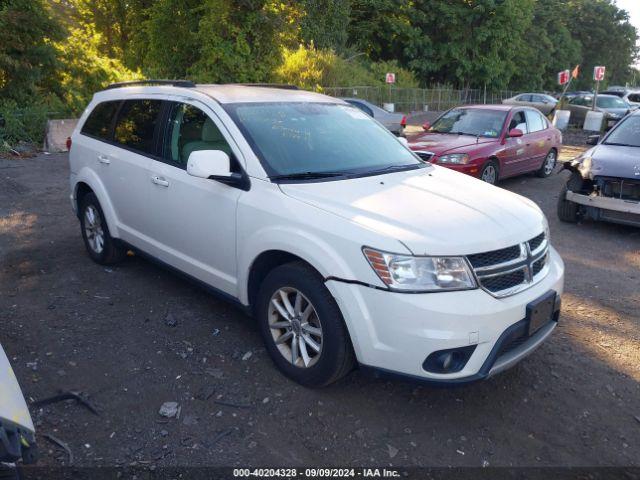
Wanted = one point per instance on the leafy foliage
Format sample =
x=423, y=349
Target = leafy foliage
x=27, y=54
x=55, y=55
x=313, y=69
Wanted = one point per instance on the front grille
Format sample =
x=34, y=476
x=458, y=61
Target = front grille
x=539, y=265
x=505, y=281
x=426, y=156
x=512, y=269
x=621, y=188
x=535, y=242
x=494, y=257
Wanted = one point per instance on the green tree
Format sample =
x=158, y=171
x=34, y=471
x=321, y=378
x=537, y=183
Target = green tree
x=171, y=39
x=473, y=42
x=240, y=41
x=27, y=54
x=547, y=47
x=607, y=38
x=324, y=23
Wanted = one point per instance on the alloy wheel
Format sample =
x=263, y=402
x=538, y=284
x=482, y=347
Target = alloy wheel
x=93, y=229
x=489, y=174
x=295, y=327
x=550, y=163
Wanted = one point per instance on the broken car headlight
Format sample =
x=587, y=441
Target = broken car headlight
x=420, y=274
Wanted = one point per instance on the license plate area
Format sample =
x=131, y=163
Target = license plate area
x=540, y=311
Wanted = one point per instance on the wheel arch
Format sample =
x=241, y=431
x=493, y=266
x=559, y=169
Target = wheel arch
x=88, y=182
x=263, y=264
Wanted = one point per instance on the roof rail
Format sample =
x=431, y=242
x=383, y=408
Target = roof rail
x=135, y=83
x=284, y=86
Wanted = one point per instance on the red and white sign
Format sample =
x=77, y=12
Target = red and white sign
x=598, y=73
x=563, y=77
x=390, y=78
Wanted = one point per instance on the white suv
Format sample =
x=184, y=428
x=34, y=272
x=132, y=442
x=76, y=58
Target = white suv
x=345, y=246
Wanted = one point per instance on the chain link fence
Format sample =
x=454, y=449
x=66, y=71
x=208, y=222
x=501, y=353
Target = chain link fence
x=421, y=99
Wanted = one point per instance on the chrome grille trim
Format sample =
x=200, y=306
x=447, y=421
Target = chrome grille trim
x=528, y=262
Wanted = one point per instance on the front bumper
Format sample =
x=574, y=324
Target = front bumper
x=469, y=168
x=394, y=333
x=608, y=208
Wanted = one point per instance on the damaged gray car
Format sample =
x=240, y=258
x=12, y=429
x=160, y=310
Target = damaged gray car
x=605, y=180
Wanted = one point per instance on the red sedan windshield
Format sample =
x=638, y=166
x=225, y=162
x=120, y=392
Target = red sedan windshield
x=471, y=121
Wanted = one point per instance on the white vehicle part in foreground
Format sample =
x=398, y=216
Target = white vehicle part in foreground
x=12, y=404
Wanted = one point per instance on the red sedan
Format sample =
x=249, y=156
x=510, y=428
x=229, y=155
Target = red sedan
x=491, y=142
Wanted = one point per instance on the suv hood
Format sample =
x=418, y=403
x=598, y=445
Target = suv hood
x=439, y=143
x=612, y=161
x=432, y=211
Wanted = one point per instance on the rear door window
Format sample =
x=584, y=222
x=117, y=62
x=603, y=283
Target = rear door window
x=524, y=98
x=535, y=121
x=100, y=120
x=136, y=125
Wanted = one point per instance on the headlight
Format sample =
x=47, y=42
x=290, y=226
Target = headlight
x=457, y=158
x=420, y=274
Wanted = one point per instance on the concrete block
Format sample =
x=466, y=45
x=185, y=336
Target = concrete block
x=58, y=131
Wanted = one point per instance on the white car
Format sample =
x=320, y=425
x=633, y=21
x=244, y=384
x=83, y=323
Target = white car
x=344, y=245
x=17, y=434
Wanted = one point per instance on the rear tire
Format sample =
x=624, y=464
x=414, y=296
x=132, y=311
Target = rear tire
x=307, y=339
x=569, y=211
x=548, y=164
x=100, y=245
x=490, y=172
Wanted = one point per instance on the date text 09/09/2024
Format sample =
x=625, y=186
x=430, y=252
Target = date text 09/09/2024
x=316, y=472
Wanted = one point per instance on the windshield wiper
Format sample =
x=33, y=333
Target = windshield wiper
x=395, y=168
x=306, y=175
x=467, y=133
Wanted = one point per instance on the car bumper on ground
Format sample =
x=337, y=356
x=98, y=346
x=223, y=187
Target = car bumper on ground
x=395, y=333
x=609, y=209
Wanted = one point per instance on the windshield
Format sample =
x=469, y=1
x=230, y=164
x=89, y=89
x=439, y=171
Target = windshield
x=471, y=121
x=307, y=138
x=626, y=134
x=611, y=102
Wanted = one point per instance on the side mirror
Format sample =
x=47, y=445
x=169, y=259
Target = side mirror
x=213, y=164
x=515, y=133
x=426, y=126
x=593, y=139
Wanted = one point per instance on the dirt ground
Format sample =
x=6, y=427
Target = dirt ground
x=135, y=336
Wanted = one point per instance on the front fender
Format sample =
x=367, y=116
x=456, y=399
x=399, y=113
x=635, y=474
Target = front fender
x=308, y=246
x=88, y=176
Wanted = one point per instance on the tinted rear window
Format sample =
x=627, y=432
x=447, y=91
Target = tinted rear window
x=136, y=124
x=100, y=120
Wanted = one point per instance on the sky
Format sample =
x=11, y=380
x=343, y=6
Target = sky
x=633, y=7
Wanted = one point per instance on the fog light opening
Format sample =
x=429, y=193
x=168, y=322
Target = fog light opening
x=448, y=361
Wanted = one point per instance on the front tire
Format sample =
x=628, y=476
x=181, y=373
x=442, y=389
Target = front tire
x=490, y=172
x=569, y=211
x=548, y=164
x=302, y=326
x=100, y=245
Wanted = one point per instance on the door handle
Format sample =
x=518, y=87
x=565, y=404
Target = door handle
x=159, y=181
x=104, y=159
